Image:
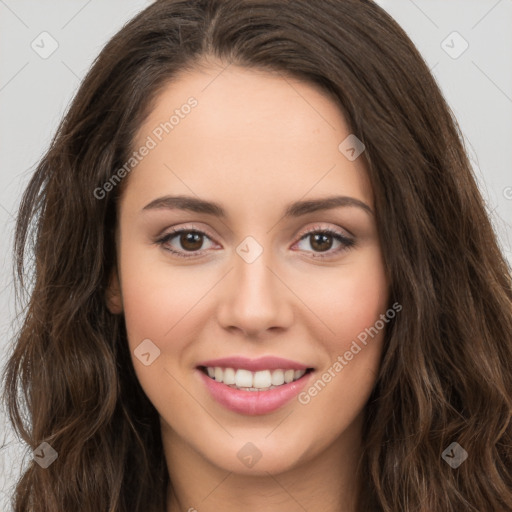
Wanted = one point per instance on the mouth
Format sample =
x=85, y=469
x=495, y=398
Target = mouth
x=246, y=380
x=253, y=386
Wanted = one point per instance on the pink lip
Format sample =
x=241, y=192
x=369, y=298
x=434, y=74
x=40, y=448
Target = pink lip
x=253, y=403
x=254, y=365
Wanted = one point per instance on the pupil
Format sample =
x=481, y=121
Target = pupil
x=321, y=238
x=191, y=241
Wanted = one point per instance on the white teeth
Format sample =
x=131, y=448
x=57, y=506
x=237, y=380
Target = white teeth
x=254, y=381
x=277, y=377
x=288, y=375
x=262, y=379
x=229, y=376
x=243, y=378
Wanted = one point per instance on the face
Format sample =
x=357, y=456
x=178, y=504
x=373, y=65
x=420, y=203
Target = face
x=255, y=280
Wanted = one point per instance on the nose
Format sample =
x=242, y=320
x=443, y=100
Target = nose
x=255, y=300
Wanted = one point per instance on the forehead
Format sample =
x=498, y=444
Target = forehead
x=253, y=99
x=247, y=129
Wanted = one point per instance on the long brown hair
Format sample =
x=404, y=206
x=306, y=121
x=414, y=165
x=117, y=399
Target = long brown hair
x=446, y=373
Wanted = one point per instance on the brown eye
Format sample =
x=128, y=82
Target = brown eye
x=321, y=241
x=183, y=241
x=191, y=241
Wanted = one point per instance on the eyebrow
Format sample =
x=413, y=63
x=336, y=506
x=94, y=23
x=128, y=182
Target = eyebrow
x=295, y=209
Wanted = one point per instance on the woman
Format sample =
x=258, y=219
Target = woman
x=264, y=277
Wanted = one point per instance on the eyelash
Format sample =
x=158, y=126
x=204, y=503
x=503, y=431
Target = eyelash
x=347, y=243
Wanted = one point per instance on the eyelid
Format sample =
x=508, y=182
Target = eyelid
x=322, y=228
x=185, y=227
x=314, y=228
x=336, y=232
x=346, y=242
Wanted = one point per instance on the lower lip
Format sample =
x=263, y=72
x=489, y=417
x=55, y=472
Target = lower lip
x=253, y=403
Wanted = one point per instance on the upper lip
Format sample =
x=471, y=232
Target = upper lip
x=254, y=365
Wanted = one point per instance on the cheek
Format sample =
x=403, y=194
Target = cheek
x=352, y=310
x=349, y=299
x=162, y=305
x=159, y=301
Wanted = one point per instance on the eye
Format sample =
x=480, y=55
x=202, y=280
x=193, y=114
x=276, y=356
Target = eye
x=190, y=240
x=322, y=240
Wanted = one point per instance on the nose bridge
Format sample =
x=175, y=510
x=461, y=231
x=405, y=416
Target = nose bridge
x=256, y=299
x=254, y=277
x=254, y=281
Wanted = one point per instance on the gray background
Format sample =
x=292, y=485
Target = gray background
x=35, y=91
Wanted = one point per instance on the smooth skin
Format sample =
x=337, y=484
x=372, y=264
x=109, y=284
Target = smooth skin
x=254, y=143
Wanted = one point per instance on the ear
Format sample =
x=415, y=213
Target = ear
x=113, y=295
